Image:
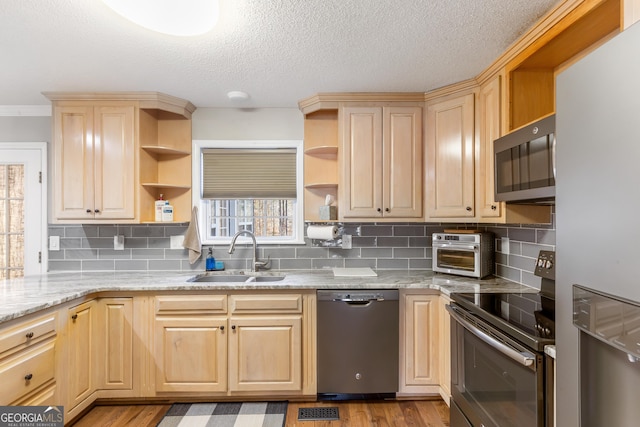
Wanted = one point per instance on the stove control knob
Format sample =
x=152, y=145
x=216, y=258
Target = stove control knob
x=547, y=264
x=358, y=376
x=547, y=331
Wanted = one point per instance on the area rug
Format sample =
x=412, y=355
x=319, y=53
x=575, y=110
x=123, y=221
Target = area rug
x=227, y=414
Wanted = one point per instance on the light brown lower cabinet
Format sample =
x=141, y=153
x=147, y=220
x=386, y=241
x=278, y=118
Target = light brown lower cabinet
x=191, y=354
x=424, y=344
x=27, y=361
x=234, y=344
x=79, y=355
x=265, y=353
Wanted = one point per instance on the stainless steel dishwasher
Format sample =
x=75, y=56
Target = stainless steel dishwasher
x=357, y=344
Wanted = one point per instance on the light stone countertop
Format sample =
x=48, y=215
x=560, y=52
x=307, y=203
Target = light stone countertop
x=22, y=296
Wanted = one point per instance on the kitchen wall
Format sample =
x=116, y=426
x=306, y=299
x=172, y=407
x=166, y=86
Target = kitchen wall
x=380, y=246
x=399, y=246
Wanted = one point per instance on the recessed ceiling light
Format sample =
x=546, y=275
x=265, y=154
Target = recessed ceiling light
x=177, y=18
x=237, y=95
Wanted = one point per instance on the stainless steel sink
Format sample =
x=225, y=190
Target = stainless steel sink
x=226, y=278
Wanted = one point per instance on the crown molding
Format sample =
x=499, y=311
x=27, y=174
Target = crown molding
x=25, y=110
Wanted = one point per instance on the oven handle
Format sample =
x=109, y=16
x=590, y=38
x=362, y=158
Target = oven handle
x=524, y=358
x=456, y=246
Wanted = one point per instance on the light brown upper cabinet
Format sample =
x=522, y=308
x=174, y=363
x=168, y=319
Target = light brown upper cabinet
x=381, y=165
x=94, y=161
x=450, y=145
x=115, y=153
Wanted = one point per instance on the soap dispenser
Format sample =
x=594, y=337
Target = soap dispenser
x=211, y=261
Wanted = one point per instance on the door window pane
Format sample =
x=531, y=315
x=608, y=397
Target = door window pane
x=11, y=221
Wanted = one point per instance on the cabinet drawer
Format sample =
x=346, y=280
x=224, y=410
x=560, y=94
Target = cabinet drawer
x=26, y=372
x=267, y=303
x=26, y=333
x=191, y=304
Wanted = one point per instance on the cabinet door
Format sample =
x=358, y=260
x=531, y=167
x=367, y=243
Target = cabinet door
x=444, y=347
x=402, y=157
x=361, y=180
x=115, y=357
x=490, y=128
x=191, y=354
x=450, y=157
x=419, y=335
x=80, y=367
x=73, y=171
x=114, y=142
x=265, y=354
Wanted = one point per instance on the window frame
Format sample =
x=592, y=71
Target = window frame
x=203, y=211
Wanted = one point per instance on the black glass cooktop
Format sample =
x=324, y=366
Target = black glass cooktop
x=527, y=317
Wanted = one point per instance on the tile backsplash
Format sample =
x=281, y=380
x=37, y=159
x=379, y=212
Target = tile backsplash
x=398, y=246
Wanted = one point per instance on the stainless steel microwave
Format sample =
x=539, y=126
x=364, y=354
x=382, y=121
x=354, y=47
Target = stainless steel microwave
x=525, y=163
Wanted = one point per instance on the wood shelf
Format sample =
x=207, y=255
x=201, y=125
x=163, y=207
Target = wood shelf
x=162, y=185
x=159, y=149
x=320, y=185
x=324, y=150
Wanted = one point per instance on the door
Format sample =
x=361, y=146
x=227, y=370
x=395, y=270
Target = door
x=402, y=156
x=191, y=354
x=450, y=158
x=265, y=353
x=81, y=332
x=23, y=214
x=490, y=130
x=73, y=165
x=361, y=182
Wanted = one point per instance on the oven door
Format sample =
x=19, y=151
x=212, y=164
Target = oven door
x=495, y=381
x=457, y=258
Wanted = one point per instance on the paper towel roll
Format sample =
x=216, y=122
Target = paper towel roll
x=323, y=232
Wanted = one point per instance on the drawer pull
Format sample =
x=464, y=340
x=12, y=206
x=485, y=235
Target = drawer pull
x=29, y=335
x=74, y=317
x=28, y=377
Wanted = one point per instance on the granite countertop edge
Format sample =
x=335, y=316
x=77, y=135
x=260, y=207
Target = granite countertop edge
x=22, y=296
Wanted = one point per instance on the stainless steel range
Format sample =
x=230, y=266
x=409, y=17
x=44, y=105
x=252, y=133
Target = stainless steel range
x=500, y=375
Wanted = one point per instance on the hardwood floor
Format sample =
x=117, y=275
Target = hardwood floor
x=414, y=413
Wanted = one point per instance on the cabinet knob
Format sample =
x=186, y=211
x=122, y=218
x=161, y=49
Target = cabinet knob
x=222, y=328
x=386, y=209
x=28, y=377
x=494, y=207
x=468, y=208
x=233, y=327
x=88, y=210
x=29, y=335
x=74, y=316
x=97, y=211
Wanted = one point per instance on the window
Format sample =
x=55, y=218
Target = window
x=249, y=185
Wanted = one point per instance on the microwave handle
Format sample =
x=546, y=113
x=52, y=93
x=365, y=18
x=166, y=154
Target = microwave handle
x=553, y=156
x=524, y=358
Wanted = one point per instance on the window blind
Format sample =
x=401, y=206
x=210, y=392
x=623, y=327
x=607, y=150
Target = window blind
x=248, y=173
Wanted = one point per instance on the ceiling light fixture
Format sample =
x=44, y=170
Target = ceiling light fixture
x=173, y=17
x=237, y=95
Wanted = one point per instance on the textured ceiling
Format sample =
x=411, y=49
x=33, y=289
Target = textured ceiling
x=279, y=51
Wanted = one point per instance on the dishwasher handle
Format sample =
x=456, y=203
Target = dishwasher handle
x=362, y=299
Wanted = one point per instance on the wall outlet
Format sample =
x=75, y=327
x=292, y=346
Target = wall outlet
x=346, y=241
x=504, y=243
x=176, y=242
x=118, y=243
x=54, y=243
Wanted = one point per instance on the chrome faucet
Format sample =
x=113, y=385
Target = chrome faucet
x=256, y=264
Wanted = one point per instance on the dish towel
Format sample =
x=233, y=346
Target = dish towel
x=192, y=237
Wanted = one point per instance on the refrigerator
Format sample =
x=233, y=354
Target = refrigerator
x=597, y=204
